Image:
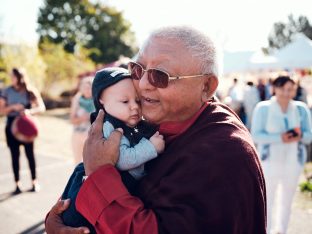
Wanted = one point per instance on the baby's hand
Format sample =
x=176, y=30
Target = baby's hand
x=158, y=142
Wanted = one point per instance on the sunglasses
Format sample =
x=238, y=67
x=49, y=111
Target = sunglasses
x=156, y=77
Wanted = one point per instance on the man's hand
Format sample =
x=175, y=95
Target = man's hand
x=54, y=223
x=98, y=151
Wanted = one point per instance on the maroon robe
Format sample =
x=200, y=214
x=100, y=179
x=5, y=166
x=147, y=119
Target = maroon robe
x=208, y=180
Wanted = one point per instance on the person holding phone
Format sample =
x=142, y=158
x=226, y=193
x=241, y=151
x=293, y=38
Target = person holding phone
x=280, y=128
x=208, y=179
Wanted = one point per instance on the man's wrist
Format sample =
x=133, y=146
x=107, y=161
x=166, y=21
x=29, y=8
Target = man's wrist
x=89, y=172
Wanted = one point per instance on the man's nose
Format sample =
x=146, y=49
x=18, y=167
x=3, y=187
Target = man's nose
x=144, y=83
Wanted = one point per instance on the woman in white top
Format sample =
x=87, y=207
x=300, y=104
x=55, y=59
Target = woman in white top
x=81, y=107
x=280, y=128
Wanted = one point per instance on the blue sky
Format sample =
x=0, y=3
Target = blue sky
x=237, y=25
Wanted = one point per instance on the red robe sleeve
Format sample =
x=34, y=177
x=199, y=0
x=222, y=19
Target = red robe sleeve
x=106, y=203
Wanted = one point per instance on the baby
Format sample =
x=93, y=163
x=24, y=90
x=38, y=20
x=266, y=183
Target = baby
x=113, y=91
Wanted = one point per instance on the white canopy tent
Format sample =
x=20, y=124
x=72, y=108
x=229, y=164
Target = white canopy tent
x=235, y=61
x=262, y=61
x=297, y=54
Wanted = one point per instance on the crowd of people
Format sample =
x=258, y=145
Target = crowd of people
x=192, y=164
x=243, y=97
x=280, y=128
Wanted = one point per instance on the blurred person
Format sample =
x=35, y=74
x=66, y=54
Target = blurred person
x=261, y=89
x=280, y=128
x=207, y=180
x=17, y=100
x=250, y=100
x=81, y=107
x=268, y=89
x=113, y=91
x=236, y=97
x=301, y=93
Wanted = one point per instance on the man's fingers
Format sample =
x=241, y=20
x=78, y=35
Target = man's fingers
x=71, y=230
x=83, y=230
x=115, y=136
x=98, y=123
x=60, y=206
x=114, y=140
x=97, y=126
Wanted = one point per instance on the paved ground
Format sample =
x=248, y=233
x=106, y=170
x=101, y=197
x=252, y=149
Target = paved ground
x=25, y=213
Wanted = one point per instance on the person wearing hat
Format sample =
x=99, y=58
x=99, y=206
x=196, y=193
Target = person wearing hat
x=207, y=180
x=113, y=91
x=17, y=102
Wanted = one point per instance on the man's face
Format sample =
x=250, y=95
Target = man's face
x=182, y=98
x=121, y=101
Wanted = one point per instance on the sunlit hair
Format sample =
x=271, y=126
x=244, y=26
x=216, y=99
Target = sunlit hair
x=197, y=43
x=23, y=82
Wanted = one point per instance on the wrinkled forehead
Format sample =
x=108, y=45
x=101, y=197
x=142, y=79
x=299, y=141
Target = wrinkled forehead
x=155, y=49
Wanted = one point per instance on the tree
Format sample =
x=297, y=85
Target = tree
x=63, y=68
x=23, y=56
x=99, y=28
x=282, y=33
x=111, y=35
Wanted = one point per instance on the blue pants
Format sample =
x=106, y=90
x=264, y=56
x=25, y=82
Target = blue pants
x=71, y=217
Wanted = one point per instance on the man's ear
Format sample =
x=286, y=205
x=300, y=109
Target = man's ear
x=210, y=85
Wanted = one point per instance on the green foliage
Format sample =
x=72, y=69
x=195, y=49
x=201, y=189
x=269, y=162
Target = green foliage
x=281, y=33
x=23, y=56
x=3, y=73
x=91, y=25
x=51, y=69
x=63, y=68
x=306, y=186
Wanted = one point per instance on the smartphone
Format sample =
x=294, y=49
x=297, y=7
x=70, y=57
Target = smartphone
x=293, y=132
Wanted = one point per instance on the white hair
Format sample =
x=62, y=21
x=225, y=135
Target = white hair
x=197, y=43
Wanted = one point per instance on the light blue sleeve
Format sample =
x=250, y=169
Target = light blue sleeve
x=306, y=122
x=131, y=157
x=107, y=129
x=258, y=132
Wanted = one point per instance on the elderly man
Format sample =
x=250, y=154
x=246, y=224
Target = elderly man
x=208, y=180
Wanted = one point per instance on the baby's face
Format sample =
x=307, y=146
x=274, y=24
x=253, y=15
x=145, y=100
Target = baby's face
x=121, y=101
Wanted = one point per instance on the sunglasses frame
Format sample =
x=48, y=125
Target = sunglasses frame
x=168, y=75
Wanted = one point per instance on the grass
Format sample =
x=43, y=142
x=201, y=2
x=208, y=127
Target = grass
x=306, y=186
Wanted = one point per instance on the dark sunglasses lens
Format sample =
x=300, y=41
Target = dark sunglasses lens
x=136, y=71
x=158, y=78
